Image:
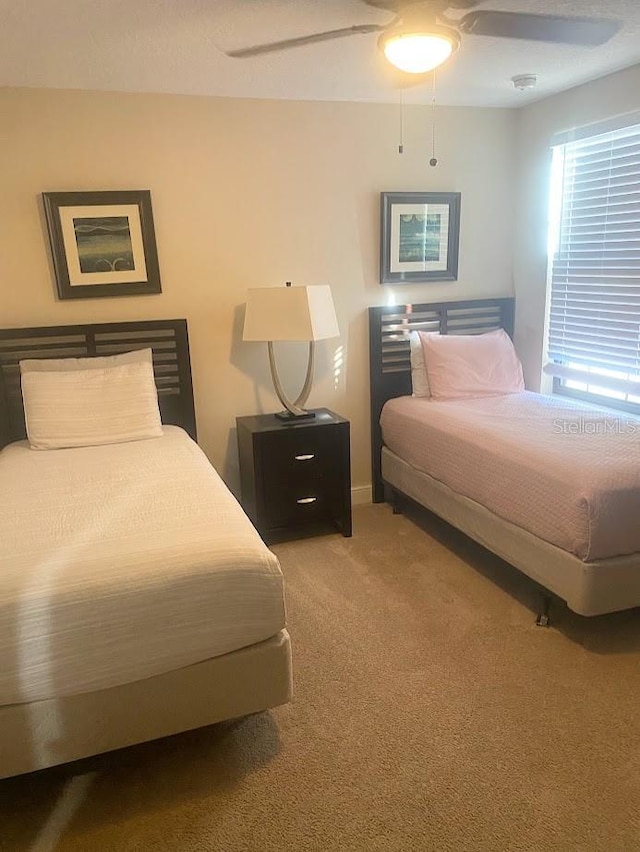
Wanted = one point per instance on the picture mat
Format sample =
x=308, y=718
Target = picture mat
x=95, y=211
x=398, y=210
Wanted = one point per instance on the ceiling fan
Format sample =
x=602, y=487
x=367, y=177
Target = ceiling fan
x=422, y=36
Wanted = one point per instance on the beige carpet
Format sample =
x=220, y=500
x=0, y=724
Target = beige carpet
x=430, y=714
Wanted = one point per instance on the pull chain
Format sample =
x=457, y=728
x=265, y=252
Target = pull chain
x=401, y=145
x=434, y=160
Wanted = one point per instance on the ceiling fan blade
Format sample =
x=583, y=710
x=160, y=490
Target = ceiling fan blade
x=286, y=44
x=437, y=6
x=463, y=4
x=582, y=31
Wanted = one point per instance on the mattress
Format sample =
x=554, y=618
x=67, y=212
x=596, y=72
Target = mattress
x=566, y=472
x=123, y=562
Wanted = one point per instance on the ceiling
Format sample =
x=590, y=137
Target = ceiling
x=177, y=46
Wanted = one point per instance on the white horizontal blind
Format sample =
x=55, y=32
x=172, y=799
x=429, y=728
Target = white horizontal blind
x=594, y=317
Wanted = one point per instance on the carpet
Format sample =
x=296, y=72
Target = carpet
x=430, y=713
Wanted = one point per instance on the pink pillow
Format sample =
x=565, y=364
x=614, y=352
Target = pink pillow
x=462, y=366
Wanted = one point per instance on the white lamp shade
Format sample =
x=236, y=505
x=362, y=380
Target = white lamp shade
x=290, y=313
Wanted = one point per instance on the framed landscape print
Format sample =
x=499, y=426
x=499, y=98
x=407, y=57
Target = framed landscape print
x=419, y=236
x=102, y=243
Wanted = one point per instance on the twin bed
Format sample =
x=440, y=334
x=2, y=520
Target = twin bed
x=136, y=599
x=550, y=485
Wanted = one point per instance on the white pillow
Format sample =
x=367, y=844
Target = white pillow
x=57, y=365
x=87, y=407
x=419, y=378
x=465, y=366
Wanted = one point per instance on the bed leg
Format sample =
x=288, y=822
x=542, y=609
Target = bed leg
x=543, y=618
x=395, y=502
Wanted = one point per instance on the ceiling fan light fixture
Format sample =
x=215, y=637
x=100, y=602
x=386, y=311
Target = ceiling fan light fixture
x=416, y=52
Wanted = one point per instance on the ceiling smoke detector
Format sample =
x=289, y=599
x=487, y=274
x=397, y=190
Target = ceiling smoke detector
x=522, y=82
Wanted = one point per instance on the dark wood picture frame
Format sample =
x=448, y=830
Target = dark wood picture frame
x=102, y=243
x=395, y=270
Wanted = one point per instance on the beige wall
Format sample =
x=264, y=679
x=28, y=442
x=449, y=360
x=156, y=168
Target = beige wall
x=251, y=193
x=613, y=95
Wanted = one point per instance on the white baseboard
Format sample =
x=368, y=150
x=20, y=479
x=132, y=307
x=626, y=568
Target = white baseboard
x=360, y=495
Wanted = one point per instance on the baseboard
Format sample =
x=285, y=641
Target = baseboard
x=360, y=495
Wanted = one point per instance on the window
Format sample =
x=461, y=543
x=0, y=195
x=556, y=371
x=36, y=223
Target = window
x=594, y=250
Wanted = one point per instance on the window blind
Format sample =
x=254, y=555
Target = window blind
x=594, y=317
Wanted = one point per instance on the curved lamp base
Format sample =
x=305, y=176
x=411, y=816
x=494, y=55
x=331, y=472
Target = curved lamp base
x=288, y=417
x=293, y=410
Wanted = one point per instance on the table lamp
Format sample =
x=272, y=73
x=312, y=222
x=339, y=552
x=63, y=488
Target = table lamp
x=291, y=313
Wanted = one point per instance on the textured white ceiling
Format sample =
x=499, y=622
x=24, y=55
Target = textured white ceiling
x=177, y=46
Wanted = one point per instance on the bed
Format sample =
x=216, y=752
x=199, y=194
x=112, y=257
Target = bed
x=136, y=599
x=557, y=502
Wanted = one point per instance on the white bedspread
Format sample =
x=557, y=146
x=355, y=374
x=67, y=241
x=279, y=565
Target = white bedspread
x=121, y=562
x=564, y=471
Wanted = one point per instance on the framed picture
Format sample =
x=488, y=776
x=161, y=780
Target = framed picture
x=102, y=243
x=419, y=236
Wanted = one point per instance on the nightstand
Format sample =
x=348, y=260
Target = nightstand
x=295, y=475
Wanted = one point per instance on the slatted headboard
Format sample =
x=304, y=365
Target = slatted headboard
x=389, y=353
x=168, y=340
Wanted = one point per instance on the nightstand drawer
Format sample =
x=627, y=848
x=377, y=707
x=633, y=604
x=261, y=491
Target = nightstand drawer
x=300, y=456
x=294, y=505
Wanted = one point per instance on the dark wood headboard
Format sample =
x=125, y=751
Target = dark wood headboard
x=168, y=339
x=389, y=353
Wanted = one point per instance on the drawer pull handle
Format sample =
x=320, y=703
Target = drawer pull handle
x=305, y=500
x=306, y=457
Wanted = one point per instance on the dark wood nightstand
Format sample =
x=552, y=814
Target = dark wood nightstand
x=295, y=475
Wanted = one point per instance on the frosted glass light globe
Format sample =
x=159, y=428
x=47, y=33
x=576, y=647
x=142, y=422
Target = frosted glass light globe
x=418, y=53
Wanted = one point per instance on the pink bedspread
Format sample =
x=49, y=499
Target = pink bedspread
x=566, y=472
